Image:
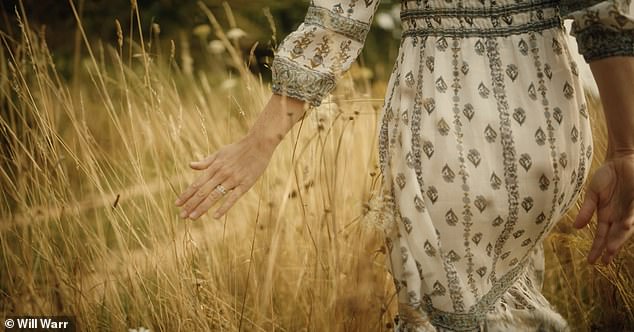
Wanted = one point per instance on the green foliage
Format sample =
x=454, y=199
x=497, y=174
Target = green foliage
x=177, y=20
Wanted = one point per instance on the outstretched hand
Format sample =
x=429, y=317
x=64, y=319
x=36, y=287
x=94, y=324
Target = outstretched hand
x=236, y=167
x=611, y=194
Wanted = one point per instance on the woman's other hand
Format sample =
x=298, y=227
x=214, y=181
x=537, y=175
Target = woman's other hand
x=611, y=190
x=235, y=166
x=611, y=195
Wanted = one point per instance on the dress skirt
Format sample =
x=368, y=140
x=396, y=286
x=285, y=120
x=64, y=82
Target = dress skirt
x=484, y=144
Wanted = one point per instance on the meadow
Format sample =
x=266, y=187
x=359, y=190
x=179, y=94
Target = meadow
x=92, y=165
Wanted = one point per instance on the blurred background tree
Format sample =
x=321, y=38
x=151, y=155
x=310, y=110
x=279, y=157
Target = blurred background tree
x=178, y=20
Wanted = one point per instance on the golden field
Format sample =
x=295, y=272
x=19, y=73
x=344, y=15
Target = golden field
x=91, y=168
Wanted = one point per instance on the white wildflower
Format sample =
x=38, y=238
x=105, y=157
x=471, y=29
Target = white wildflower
x=202, y=31
x=216, y=46
x=236, y=33
x=385, y=21
x=229, y=83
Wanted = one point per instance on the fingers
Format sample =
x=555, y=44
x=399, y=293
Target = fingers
x=208, y=202
x=207, y=193
x=204, y=163
x=599, y=241
x=618, y=234
x=197, y=184
x=587, y=209
x=231, y=199
x=205, y=204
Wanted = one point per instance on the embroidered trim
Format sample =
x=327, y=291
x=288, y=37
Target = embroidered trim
x=293, y=80
x=478, y=11
x=485, y=32
x=464, y=172
x=383, y=136
x=477, y=314
x=596, y=42
x=552, y=218
x=495, y=21
x=509, y=149
x=327, y=19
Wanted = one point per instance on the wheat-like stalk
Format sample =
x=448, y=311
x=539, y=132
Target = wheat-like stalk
x=90, y=172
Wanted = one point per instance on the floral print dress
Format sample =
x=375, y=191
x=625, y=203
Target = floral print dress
x=484, y=143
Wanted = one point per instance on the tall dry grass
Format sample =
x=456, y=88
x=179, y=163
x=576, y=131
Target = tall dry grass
x=90, y=172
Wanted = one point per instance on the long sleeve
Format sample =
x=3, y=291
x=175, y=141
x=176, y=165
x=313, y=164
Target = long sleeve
x=601, y=28
x=309, y=60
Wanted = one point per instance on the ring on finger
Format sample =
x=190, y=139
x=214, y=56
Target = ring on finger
x=221, y=189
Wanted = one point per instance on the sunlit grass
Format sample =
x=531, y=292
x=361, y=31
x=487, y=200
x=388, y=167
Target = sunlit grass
x=91, y=170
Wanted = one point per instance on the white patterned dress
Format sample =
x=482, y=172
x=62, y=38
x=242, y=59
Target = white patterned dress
x=484, y=143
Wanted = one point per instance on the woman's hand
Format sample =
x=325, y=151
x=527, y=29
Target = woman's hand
x=235, y=166
x=611, y=194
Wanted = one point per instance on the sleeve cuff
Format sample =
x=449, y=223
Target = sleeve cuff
x=596, y=42
x=294, y=80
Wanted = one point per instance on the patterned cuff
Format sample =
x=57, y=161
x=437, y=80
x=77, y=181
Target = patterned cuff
x=294, y=80
x=596, y=42
x=327, y=19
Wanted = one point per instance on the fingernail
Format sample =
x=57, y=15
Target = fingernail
x=217, y=215
x=193, y=214
x=184, y=214
x=177, y=201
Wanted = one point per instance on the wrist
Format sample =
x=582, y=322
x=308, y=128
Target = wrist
x=615, y=151
x=294, y=104
x=264, y=141
x=620, y=153
x=277, y=118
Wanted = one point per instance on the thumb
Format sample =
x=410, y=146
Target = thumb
x=587, y=209
x=203, y=163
